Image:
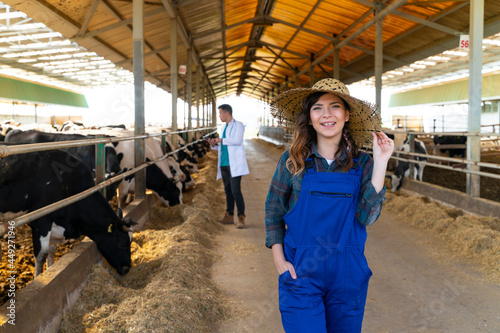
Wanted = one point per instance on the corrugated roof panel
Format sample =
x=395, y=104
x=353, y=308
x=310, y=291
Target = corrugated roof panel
x=239, y=10
x=426, y=10
x=291, y=11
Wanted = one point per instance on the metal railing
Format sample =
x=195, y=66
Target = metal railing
x=22, y=149
x=460, y=164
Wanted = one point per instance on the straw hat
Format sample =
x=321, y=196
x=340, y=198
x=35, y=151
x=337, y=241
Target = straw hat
x=363, y=117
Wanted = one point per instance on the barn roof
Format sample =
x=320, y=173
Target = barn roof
x=252, y=47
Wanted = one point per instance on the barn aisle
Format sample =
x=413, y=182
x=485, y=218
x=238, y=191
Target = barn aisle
x=417, y=286
x=246, y=271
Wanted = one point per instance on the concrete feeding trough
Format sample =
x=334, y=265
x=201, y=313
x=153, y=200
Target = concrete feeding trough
x=39, y=307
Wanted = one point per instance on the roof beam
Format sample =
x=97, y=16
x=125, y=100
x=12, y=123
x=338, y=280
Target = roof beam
x=225, y=28
x=414, y=30
x=113, y=26
x=387, y=10
x=300, y=55
x=296, y=32
x=89, y=17
x=117, y=15
x=415, y=19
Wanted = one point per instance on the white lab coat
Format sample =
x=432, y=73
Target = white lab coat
x=234, y=142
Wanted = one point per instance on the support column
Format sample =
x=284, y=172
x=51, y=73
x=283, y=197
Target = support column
x=198, y=78
x=214, y=113
x=204, y=102
x=475, y=92
x=379, y=56
x=173, y=76
x=138, y=64
x=190, y=93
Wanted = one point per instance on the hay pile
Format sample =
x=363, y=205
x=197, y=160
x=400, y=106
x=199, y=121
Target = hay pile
x=473, y=238
x=168, y=288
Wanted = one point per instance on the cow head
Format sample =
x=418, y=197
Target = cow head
x=165, y=188
x=396, y=182
x=114, y=244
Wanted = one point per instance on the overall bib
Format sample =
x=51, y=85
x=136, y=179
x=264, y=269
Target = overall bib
x=326, y=245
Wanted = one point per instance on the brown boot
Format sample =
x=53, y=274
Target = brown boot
x=227, y=219
x=241, y=222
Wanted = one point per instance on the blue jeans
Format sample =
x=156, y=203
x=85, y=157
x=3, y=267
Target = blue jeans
x=232, y=187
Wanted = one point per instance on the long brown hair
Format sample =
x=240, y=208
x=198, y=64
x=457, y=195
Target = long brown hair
x=305, y=136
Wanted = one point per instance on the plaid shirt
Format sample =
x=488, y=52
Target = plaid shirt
x=285, y=188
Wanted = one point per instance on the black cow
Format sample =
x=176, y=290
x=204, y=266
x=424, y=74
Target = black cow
x=84, y=153
x=451, y=140
x=403, y=167
x=31, y=181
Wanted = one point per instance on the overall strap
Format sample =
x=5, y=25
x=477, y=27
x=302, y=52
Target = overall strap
x=354, y=163
x=309, y=165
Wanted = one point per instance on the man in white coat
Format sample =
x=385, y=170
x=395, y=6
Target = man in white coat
x=232, y=164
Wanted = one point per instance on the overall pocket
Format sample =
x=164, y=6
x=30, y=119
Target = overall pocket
x=356, y=282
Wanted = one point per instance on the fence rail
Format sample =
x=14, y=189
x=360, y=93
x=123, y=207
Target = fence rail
x=6, y=150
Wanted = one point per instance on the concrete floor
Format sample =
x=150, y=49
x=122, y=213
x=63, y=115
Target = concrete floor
x=416, y=285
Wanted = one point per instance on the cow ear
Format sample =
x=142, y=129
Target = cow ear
x=119, y=213
x=110, y=228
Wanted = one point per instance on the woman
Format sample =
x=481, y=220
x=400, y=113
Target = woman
x=323, y=194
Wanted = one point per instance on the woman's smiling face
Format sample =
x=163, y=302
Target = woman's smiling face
x=328, y=116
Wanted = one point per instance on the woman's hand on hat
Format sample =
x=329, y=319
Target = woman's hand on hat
x=383, y=146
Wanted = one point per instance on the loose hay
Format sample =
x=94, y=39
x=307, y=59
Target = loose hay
x=473, y=238
x=168, y=288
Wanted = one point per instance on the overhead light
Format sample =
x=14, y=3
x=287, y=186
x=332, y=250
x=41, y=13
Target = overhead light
x=26, y=60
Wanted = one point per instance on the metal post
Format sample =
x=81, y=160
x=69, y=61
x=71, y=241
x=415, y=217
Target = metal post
x=475, y=92
x=204, y=102
x=379, y=54
x=198, y=79
x=214, y=113
x=139, y=127
x=190, y=93
x=100, y=164
x=412, y=150
x=173, y=76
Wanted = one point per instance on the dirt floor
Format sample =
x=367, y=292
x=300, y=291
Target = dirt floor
x=421, y=283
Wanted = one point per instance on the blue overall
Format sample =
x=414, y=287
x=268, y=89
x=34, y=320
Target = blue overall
x=326, y=245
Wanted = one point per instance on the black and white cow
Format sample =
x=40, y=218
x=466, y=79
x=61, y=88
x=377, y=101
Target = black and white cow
x=451, y=140
x=84, y=153
x=403, y=167
x=31, y=181
x=159, y=178
x=188, y=161
x=72, y=126
x=8, y=125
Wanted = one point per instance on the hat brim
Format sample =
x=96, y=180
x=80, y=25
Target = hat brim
x=363, y=116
